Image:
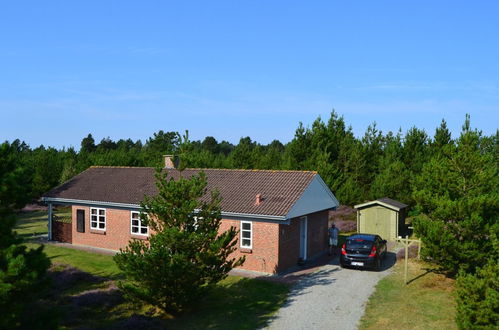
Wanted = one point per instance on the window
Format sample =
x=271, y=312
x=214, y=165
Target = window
x=138, y=228
x=98, y=219
x=246, y=234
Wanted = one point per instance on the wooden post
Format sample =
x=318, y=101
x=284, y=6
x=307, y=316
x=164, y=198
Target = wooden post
x=406, y=257
x=50, y=221
x=419, y=249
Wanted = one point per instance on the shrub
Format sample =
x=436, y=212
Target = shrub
x=478, y=298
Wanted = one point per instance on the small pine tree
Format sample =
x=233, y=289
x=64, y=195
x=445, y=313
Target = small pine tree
x=185, y=253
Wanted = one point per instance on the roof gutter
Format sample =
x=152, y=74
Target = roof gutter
x=137, y=206
x=87, y=202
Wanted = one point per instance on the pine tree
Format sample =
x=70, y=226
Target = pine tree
x=458, y=193
x=22, y=270
x=185, y=254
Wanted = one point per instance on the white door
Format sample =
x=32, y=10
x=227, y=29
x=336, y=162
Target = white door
x=303, y=238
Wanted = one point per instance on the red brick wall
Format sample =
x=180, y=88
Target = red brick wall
x=289, y=240
x=117, y=233
x=289, y=244
x=275, y=247
x=263, y=256
x=61, y=231
x=317, y=233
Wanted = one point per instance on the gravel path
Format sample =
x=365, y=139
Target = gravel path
x=330, y=298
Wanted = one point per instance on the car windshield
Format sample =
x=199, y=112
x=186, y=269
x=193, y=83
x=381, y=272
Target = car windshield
x=358, y=244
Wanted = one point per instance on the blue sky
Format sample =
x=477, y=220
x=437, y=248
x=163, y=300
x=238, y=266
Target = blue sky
x=126, y=69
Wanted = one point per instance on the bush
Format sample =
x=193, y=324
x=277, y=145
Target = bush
x=478, y=298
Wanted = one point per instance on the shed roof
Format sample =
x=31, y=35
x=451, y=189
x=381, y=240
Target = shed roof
x=280, y=190
x=385, y=201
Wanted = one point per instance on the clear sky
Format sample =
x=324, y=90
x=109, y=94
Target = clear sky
x=126, y=69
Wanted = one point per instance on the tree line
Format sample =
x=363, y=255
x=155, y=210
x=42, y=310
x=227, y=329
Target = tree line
x=356, y=169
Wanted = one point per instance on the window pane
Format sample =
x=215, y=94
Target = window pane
x=246, y=234
x=246, y=225
x=135, y=222
x=135, y=229
x=94, y=211
x=246, y=242
x=135, y=215
x=93, y=224
x=102, y=219
x=102, y=212
x=143, y=230
x=101, y=225
x=94, y=218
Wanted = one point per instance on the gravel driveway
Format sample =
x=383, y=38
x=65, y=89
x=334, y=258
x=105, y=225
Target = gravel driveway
x=330, y=298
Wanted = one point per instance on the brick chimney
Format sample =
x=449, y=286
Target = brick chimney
x=259, y=199
x=169, y=161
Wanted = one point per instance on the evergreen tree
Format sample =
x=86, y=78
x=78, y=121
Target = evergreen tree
x=185, y=253
x=22, y=270
x=242, y=155
x=88, y=144
x=478, y=298
x=442, y=137
x=458, y=192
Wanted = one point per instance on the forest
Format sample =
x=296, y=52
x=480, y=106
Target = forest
x=375, y=165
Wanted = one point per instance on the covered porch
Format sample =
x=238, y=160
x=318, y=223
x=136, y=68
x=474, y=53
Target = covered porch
x=59, y=223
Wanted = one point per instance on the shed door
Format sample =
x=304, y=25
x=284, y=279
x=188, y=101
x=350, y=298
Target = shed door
x=383, y=222
x=80, y=221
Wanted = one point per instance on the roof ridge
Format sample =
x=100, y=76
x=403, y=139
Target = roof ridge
x=112, y=166
x=250, y=170
x=218, y=169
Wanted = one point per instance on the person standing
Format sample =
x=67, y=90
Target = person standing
x=333, y=238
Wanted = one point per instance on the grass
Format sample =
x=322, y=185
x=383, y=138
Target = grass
x=30, y=224
x=234, y=303
x=34, y=223
x=427, y=302
x=244, y=303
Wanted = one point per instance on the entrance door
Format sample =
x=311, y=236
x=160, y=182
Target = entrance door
x=303, y=238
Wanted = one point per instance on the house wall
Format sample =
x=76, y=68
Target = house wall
x=61, y=231
x=275, y=247
x=264, y=254
x=289, y=239
x=117, y=233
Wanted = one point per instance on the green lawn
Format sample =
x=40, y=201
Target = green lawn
x=35, y=223
x=235, y=303
x=427, y=302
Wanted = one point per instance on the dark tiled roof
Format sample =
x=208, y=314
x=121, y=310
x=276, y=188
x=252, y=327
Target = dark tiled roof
x=238, y=188
x=392, y=202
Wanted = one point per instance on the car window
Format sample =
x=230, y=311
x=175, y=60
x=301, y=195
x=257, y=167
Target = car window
x=358, y=244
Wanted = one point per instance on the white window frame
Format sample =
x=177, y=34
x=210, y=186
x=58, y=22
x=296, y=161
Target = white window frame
x=140, y=226
x=98, y=216
x=241, y=230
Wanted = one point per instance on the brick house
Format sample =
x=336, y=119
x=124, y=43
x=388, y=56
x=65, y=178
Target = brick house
x=282, y=216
